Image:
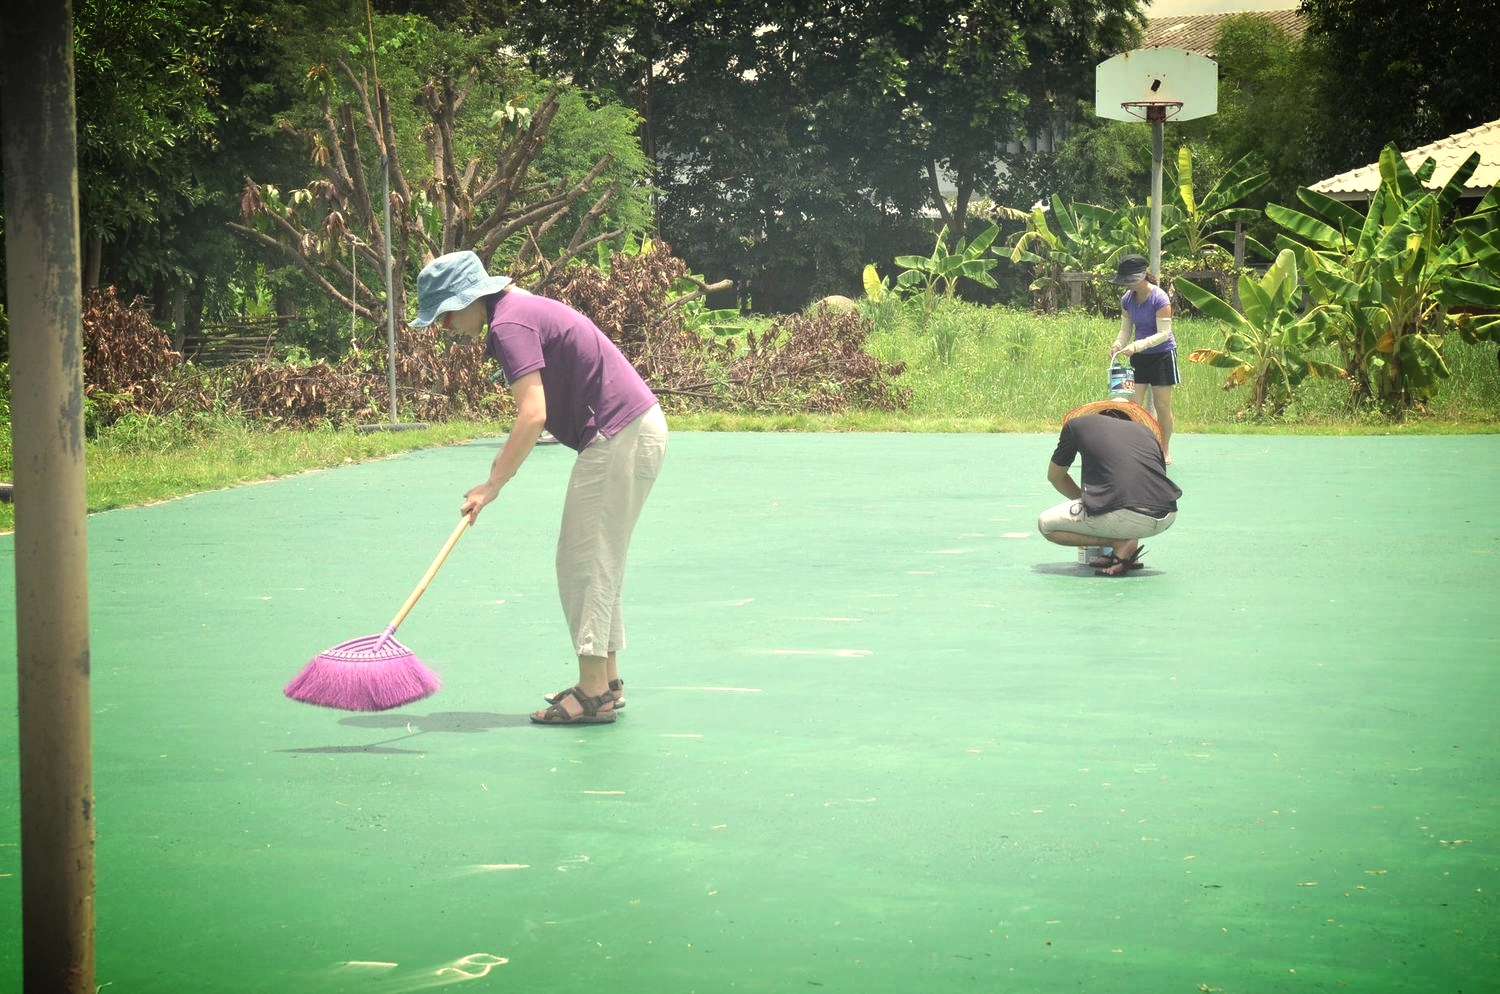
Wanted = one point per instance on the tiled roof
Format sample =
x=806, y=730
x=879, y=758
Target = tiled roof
x=1449, y=154
x=1198, y=32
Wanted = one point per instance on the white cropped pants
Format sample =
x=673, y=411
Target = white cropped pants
x=608, y=488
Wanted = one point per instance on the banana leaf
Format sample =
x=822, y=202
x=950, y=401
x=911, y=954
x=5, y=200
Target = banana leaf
x=1306, y=226
x=1209, y=303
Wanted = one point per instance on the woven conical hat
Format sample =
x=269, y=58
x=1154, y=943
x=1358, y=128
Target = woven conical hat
x=1129, y=408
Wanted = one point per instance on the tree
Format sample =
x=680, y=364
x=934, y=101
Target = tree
x=490, y=195
x=793, y=143
x=965, y=78
x=176, y=102
x=145, y=77
x=1267, y=108
x=1401, y=72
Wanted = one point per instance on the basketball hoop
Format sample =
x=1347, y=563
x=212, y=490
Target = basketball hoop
x=1151, y=111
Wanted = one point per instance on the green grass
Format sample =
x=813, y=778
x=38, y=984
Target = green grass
x=144, y=459
x=1014, y=371
x=1007, y=371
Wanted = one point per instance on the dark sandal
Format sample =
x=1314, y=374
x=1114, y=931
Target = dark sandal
x=594, y=710
x=1121, y=566
x=616, y=687
x=1105, y=562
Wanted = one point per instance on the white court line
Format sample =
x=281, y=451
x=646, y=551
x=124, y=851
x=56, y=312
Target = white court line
x=723, y=690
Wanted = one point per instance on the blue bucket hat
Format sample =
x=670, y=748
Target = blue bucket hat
x=452, y=282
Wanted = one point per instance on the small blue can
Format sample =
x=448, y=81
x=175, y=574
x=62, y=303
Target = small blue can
x=1121, y=381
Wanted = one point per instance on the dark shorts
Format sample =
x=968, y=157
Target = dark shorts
x=1159, y=369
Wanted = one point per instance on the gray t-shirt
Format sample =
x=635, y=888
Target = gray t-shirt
x=1123, y=465
x=591, y=388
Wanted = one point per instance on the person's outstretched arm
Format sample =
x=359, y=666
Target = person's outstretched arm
x=531, y=417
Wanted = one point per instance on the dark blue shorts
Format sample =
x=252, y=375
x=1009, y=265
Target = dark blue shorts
x=1159, y=369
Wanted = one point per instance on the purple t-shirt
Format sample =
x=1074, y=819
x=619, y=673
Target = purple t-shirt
x=1143, y=317
x=591, y=388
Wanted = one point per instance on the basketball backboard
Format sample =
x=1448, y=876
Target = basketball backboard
x=1156, y=84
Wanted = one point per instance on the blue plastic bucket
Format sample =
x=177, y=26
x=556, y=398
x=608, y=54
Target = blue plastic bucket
x=1121, y=381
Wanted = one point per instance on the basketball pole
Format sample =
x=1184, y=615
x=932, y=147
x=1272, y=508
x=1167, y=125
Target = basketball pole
x=1157, y=143
x=1155, y=85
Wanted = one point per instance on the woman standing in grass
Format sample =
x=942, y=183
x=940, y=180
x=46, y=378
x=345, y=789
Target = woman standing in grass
x=1146, y=337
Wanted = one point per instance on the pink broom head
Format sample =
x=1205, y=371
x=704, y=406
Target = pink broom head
x=373, y=673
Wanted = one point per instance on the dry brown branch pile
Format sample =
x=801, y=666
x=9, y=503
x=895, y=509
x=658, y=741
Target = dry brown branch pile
x=128, y=362
x=811, y=363
x=433, y=383
x=125, y=356
x=815, y=363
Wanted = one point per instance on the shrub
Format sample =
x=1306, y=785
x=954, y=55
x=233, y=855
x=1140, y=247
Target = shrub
x=127, y=360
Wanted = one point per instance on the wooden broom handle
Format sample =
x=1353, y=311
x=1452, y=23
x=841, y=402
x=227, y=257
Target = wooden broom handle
x=411, y=601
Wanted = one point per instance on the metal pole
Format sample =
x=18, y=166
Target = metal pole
x=46, y=352
x=390, y=286
x=1156, y=160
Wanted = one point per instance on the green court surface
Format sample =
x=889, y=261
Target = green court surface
x=881, y=737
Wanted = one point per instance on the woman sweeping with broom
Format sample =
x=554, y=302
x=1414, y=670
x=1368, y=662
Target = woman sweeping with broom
x=568, y=378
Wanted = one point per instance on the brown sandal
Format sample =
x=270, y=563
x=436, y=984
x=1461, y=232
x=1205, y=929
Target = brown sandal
x=593, y=710
x=616, y=687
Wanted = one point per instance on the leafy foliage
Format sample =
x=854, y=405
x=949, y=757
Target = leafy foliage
x=1402, y=73
x=1198, y=231
x=1087, y=239
x=1270, y=346
x=1084, y=241
x=1473, y=297
x=945, y=267
x=1383, y=273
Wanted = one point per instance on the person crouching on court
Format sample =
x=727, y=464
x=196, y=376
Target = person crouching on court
x=1126, y=495
x=566, y=376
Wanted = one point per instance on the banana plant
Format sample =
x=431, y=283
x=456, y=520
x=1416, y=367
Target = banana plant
x=1382, y=273
x=1200, y=228
x=1087, y=240
x=923, y=274
x=1269, y=346
x=876, y=288
x=1473, y=299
